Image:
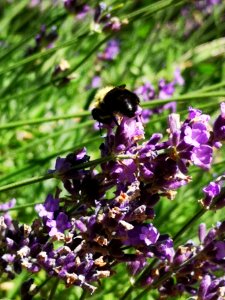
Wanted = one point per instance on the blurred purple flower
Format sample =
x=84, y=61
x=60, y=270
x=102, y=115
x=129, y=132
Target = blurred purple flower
x=8, y=205
x=111, y=51
x=219, y=125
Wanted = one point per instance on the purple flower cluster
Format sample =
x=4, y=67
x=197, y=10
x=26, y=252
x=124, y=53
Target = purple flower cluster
x=206, y=6
x=104, y=20
x=165, y=90
x=195, y=12
x=198, y=269
x=44, y=39
x=77, y=7
x=80, y=236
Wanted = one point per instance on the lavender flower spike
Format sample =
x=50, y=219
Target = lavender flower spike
x=219, y=125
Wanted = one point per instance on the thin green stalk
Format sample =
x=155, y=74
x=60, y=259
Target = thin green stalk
x=181, y=98
x=43, y=120
x=45, y=138
x=86, y=57
x=83, y=295
x=11, y=50
x=43, y=160
x=17, y=172
x=153, y=8
x=204, y=51
x=24, y=182
x=53, y=289
x=42, y=87
x=17, y=7
x=213, y=87
x=48, y=176
x=187, y=225
x=57, y=175
x=77, y=146
x=43, y=54
x=36, y=90
x=23, y=206
x=39, y=287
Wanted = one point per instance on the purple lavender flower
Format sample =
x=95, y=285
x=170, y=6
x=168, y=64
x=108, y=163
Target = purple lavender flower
x=146, y=234
x=146, y=91
x=214, y=194
x=96, y=82
x=165, y=91
x=59, y=225
x=219, y=125
x=211, y=191
x=178, y=79
x=48, y=208
x=111, y=51
x=103, y=16
x=191, y=140
x=44, y=39
x=211, y=288
x=8, y=205
x=77, y=7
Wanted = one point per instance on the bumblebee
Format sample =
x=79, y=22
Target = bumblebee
x=111, y=101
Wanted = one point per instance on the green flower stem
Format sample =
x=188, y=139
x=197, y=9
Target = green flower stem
x=153, y=8
x=86, y=57
x=42, y=160
x=45, y=138
x=204, y=51
x=53, y=289
x=40, y=286
x=5, y=178
x=88, y=164
x=19, y=207
x=44, y=53
x=17, y=7
x=83, y=295
x=43, y=120
x=181, y=98
x=213, y=87
x=48, y=176
x=188, y=224
x=59, y=175
x=36, y=90
x=63, y=151
x=28, y=181
x=58, y=18
x=39, y=89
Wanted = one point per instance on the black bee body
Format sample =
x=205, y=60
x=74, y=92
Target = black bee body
x=112, y=101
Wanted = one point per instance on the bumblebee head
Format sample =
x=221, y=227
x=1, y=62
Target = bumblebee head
x=99, y=115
